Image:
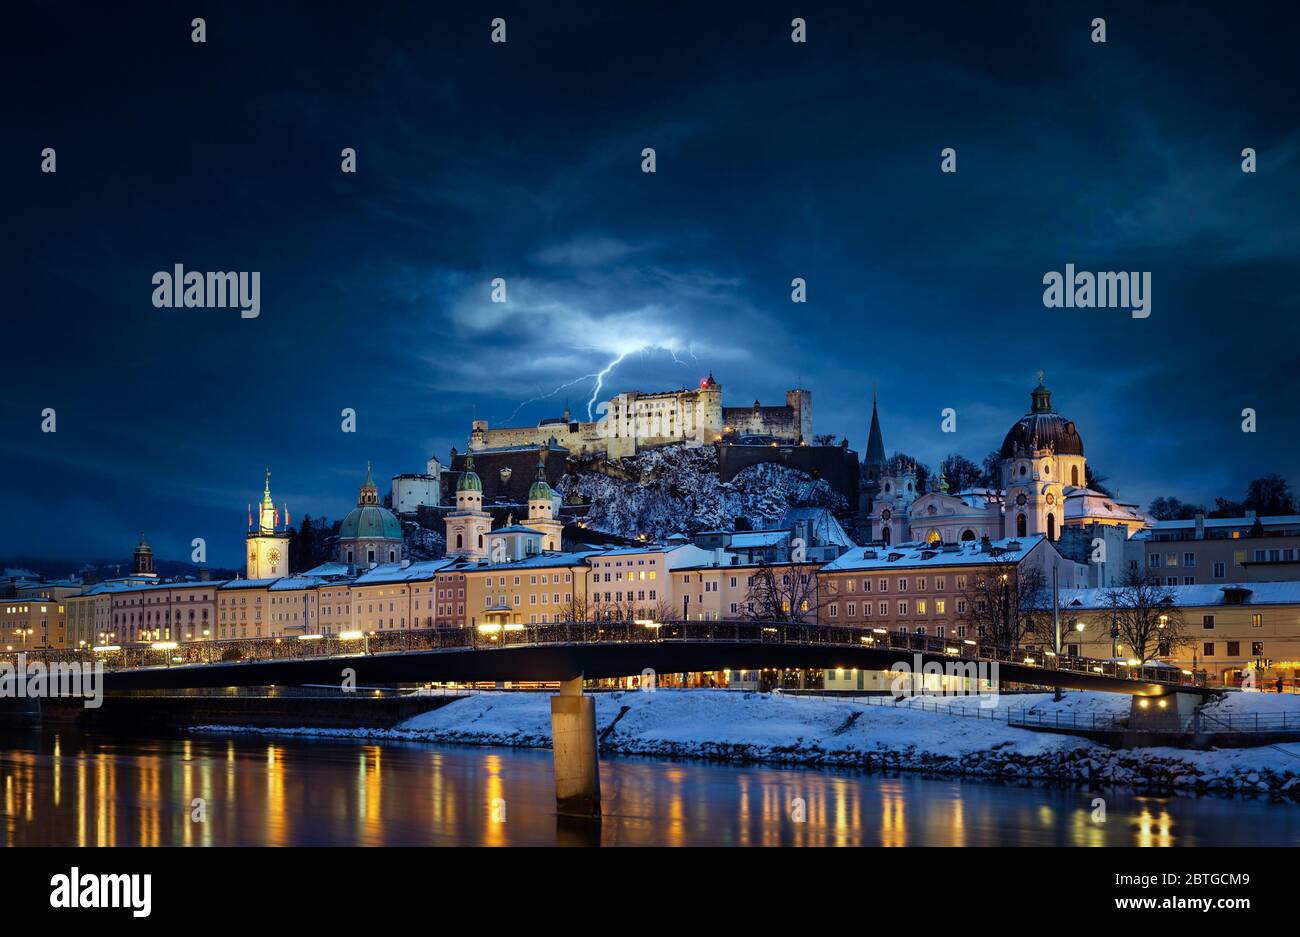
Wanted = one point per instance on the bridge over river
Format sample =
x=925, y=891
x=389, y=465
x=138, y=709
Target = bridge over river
x=592, y=650
x=569, y=652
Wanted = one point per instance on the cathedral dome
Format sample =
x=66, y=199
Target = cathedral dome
x=370, y=522
x=1042, y=428
x=369, y=519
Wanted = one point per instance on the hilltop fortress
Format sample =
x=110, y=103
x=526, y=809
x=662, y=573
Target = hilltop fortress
x=634, y=421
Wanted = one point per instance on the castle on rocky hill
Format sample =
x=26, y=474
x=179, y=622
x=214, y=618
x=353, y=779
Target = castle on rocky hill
x=633, y=421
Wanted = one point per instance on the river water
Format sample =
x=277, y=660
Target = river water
x=60, y=787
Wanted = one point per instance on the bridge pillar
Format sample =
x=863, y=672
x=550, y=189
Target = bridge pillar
x=573, y=744
x=1170, y=712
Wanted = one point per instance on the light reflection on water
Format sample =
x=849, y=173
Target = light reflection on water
x=64, y=788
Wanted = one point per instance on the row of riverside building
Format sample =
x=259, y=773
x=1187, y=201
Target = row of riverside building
x=1236, y=581
x=1238, y=625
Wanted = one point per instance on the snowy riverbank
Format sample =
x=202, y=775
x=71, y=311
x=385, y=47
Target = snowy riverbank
x=770, y=728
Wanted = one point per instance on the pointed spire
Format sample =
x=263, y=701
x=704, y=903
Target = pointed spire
x=875, y=455
x=369, y=493
x=469, y=480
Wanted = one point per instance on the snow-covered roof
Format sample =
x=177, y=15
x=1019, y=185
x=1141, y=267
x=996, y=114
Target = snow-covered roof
x=749, y=539
x=1201, y=595
x=327, y=570
x=249, y=583
x=628, y=551
x=537, y=561
x=395, y=572
x=1084, y=502
x=918, y=555
x=737, y=561
x=295, y=582
x=137, y=585
x=110, y=586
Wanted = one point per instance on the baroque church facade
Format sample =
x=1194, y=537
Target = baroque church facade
x=1043, y=489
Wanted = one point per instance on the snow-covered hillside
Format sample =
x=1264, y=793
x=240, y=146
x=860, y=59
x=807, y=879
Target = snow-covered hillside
x=676, y=490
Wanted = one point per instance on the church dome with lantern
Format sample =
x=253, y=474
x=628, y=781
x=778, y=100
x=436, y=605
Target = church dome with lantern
x=370, y=533
x=1042, y=428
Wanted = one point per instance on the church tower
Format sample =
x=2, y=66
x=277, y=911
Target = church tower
x=873, y=463
x=542, y=511
x=1042, y=456
x=268, y=546
x=469, y=524
x=143, y=565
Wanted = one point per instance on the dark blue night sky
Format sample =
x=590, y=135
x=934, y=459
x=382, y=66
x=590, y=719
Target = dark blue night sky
x=522, y=160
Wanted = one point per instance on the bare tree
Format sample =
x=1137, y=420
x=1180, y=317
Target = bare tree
x=1150, y=623
x=1005, y=602
x=785, y=593
x=577, y=608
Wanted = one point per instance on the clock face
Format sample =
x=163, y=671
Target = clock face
x=274, y=556
x=1051, y=499
x=1021, y=499
x=886, y=514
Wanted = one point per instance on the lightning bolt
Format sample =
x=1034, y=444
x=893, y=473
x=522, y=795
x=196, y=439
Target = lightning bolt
x=602, y=374
x=598, y=377
x=576, y=380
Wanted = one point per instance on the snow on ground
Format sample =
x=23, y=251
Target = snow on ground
x=781, y=729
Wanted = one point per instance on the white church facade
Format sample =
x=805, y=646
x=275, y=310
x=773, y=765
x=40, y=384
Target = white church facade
x=1043, y=490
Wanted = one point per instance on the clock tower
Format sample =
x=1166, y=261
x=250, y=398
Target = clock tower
x=267, y=547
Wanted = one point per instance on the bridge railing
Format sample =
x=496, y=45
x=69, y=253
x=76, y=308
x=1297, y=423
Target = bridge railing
x=488, y=636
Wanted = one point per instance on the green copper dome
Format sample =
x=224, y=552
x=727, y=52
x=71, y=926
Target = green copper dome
x=370, y=520
x=540, y=491
x=369, y=523
x=469, y=481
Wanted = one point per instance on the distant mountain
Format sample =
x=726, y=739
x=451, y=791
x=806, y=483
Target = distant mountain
x=106, y=569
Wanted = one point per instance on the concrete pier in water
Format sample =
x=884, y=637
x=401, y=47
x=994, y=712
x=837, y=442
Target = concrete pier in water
x=573, y=742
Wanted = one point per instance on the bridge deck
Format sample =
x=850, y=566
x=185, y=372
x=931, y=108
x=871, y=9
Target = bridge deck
x=596, y=650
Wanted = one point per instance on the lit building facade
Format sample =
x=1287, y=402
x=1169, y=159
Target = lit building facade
x=267, y=544
x=28, y=624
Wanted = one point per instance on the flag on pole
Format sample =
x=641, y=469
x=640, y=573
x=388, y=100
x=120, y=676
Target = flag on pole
x=277, y=517
x=286, y=515
x=250, y=515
